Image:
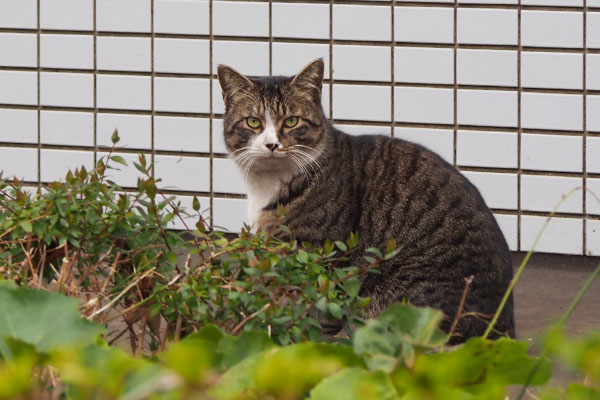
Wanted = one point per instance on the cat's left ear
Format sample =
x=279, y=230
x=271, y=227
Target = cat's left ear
x=311, y=77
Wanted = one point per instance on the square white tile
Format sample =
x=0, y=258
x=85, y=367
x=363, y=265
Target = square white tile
x=290, y=20
x=593, y=154
x=487, y=108
x=18, y=126
x=551, y=28
x=593, y=237
x=592, y=200
x=227, y=177
x=182, y=134
x=551, y=152
x=551, y=70
x=562, y=235
x=19, y=163
x=18, y=87
x=75, y=15
x=236, y=18
x=66, y=89
x=357, y=130
x=552, y=111
x=440, y=141
x=486, y=67
x=592, y=78
x=181, y=16
x=423, y=65
x=509, y=225
x=54, y=164
x=189, y=56
x=123, y=16
x=135, y=131
x=487, y=149
x=123, y=53
x=413, y=24
x=68, y=128
x=593, y=29
x=18, y=50
x=354, y=102
x=362, y=22
x=218, y=139
x=487, y=26
x=67, y=51
x=367, y=63
x=419, y=104
x=544, y=193
x=229, y=214
x=290, y=58
x=499, y=190
x=181, y=95
x=249, y=58
x=571, y=3
x=218, y=106
x=593, y=113
x=182, y=173
x=123, y=92
x=18, y=14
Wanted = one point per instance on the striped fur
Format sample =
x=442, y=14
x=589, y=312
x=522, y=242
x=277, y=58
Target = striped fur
x=333, y=184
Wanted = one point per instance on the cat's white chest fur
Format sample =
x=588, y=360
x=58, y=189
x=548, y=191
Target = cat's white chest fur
x=263, y=189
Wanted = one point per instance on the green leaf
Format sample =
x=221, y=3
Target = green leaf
x=236, y=349
x=118, y=159
x=195, y=204
x=43, y=319
x=341, y=245
x=26, y=225
x=335, y=310
x=115, y=137
x=355, y=384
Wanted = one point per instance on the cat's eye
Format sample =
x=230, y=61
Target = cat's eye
x=253, y=122
x=291, y=122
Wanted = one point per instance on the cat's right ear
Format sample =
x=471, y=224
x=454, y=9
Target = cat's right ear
x=311, y=77
x=231, y=82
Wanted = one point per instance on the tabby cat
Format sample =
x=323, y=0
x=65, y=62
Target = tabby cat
x=333, y=184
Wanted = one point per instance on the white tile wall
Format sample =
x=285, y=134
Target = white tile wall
x=18, y=126
x=551, y=152
x=18, y=87
x=182, y=55
x=183, y=173
x=123, y=92
x=487, y=108
x=123, y=16
x=18, y=14
x=19, y=163
x=487, y=149
x=551, y=70
x=418, y=104
x=487, y=26
x=123, y=53
x=67, y=51
x=233, y=18
x=593, y=237
x=413, y=24
x=367, y=63
x=227, y=177
x=360, y=22
x=593, y=196
x=75, y=15
x=182, y=134
x=552, y=28
x=563, y=235
x=423, y=65
x=181, y=95
x=64, y=89
x=487, y=67
x=54, y=164
x=181, y=16
x=134, y=130
x=18, y=50
x=67, y=127
x=440, y=141
x=414, y=72
x=552, y=111
x=124, y=176
x=369, y=103
x=544, y=193
x=290, y=20
x=498, y=190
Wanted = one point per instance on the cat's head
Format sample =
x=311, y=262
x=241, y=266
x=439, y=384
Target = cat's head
x=274, y=123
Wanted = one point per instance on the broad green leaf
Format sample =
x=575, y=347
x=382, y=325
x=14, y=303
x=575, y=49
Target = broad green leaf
x=192, y=358
x=235, y=349
x=43, y=319
x=355, y=384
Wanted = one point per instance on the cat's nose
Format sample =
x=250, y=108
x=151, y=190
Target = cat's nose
x=272, y=146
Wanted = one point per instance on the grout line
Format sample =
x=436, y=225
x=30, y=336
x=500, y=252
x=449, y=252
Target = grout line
x=392, y=75
x=95, y=84
x=152, y=78
x=211, y=115
x=270, y=38
x=584, y=149
x=39, y=102
x=520, y=125
x=455, y=85
x=331, y=80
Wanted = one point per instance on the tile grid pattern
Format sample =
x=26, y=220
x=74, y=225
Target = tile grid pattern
x=183, y=133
